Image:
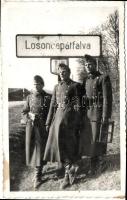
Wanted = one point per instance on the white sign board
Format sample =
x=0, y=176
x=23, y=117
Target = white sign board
x=58, y=45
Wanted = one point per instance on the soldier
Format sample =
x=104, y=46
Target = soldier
x=98, y=104
x=63, y=123
x=35, y=110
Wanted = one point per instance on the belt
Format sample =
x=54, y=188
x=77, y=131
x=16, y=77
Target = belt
x=69, y=106
x=94, y=101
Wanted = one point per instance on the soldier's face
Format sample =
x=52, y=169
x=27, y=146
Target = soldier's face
x=64, y=74
x=37, y=87
x=90, y=68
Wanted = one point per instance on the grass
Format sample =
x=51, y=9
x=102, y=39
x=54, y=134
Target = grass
x=21, y=176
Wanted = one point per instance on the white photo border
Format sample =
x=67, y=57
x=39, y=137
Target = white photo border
x=5, y=131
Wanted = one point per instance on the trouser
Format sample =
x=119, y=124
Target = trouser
x=97, y=162
x=70, y=173
x=38, y=172
x=94, y=162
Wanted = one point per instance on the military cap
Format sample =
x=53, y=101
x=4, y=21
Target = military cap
x=63, y=66
x=89, y=58
x=38, y=79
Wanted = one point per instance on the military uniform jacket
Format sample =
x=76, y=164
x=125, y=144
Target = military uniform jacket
x=63, y=119
x=36, y=110
x=98, y=103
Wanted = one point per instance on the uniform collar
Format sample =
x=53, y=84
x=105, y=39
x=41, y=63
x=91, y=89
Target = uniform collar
x=66, y=82
x=93, y=75
x=37, y=93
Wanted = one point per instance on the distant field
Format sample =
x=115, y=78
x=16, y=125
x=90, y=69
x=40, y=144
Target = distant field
x=17, y=94
x=21, y=176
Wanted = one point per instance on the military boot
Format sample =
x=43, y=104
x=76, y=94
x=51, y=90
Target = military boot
x=65, y=182
x=93, y=166
x=38, y=177
x=72, y=173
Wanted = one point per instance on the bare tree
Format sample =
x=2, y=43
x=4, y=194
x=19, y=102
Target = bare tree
x=112, y=38
x=109, y=31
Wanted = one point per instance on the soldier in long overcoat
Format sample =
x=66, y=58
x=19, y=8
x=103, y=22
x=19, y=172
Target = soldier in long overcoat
x=97, y=100
x=63, y=122
x=36, y=110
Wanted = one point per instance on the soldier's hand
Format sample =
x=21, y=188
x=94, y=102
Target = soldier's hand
x=47, y=128
x=32, y=116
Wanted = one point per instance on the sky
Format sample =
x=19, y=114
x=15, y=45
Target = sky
x=44, y=18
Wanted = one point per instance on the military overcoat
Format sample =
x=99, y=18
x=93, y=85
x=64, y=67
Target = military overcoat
x=64, y=121
x=36, y=110
x=97, y=102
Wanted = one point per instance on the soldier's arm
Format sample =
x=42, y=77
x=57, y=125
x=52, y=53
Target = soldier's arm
x=26, y=107
x=107, y=98
x=77, y=105
x=47, y=100
x=74, y=96
x=79, y=97
x=25, y=111
x=51, y=108
x=82, y=106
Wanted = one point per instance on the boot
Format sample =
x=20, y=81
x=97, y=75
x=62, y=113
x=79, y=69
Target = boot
x=102, y=165
x=60, y=172
x=72, y=173
x=93, y=166
x=65, y=182
x=38, y=177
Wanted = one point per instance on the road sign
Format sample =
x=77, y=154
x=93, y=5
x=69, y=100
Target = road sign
x=58, y=45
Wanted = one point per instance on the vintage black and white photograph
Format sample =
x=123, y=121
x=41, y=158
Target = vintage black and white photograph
x=63, y=73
